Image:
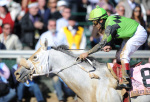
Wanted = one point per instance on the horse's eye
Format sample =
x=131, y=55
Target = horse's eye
x=35, y=57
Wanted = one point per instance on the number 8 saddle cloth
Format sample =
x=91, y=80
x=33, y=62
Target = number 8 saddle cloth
x=140, y=78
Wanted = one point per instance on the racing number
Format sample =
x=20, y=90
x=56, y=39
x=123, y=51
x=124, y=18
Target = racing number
x=145, y=77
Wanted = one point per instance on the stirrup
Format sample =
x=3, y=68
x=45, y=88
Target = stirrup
x=126, y=86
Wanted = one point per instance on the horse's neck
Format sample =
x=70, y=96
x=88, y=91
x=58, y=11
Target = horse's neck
x=74, y=77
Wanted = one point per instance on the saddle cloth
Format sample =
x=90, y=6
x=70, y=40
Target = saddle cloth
x=140, y=78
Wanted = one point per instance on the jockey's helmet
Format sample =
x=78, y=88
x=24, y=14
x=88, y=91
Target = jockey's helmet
x=98, y=13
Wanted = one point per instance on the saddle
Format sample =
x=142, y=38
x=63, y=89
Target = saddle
x=140, y=78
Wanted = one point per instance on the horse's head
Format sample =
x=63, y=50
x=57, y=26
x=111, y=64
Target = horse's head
x=34, y=65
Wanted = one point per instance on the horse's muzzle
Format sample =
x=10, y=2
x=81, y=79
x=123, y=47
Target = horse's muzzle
x=22, y=74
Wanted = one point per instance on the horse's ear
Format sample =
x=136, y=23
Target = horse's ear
x=46, y=44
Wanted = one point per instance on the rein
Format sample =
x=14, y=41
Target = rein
x=75, y=49
x=92, y=75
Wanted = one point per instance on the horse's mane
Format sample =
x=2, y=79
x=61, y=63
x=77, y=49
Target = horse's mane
x=63, y=48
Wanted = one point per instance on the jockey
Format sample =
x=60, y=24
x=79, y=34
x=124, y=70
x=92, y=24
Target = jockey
x=114, y=28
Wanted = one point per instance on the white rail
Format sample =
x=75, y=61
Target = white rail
x=100, y=54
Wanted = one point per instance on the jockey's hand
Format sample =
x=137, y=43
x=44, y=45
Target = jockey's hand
x=83, y=55
x=107, y=48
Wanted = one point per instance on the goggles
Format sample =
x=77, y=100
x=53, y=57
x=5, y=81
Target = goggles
x=95, y=22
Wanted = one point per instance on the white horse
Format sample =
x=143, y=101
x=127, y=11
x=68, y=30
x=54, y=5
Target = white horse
x=88, y=90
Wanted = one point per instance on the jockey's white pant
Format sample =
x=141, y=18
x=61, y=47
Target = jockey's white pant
x=129, y=46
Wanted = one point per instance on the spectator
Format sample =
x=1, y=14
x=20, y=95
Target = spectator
x=44, y=12
x=129, y=6
x=146, y=4
x=22, y=88
x=87, y=8
x=137, y=15
x=62, y=22
x=114, y=2
x=73, y=5
x=82, y=10
x=108, y=6
x=54, y=39
x=5, y=15
x=24, y=9
x=74, y=35
x=11, y=41
x=7, y=94
x=52, y=5
x=108, y=9
x=120, y=10
x=32, y=26
x=93, y=3
x=60, y=6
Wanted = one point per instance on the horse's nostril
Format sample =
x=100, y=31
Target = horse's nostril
x=17, y=73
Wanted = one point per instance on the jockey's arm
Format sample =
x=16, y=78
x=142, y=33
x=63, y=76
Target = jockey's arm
x=107, y=41
x=97, y=47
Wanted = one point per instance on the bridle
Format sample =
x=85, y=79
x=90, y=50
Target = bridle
x=46, y=66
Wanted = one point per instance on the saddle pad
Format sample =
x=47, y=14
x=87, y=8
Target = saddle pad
x=140, y=78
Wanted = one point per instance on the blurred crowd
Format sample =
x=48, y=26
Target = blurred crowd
x=24, y=24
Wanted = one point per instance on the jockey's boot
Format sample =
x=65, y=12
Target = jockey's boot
x=125, y=81
x=115, y=68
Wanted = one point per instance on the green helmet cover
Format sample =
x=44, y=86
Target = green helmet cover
x=98, y=13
